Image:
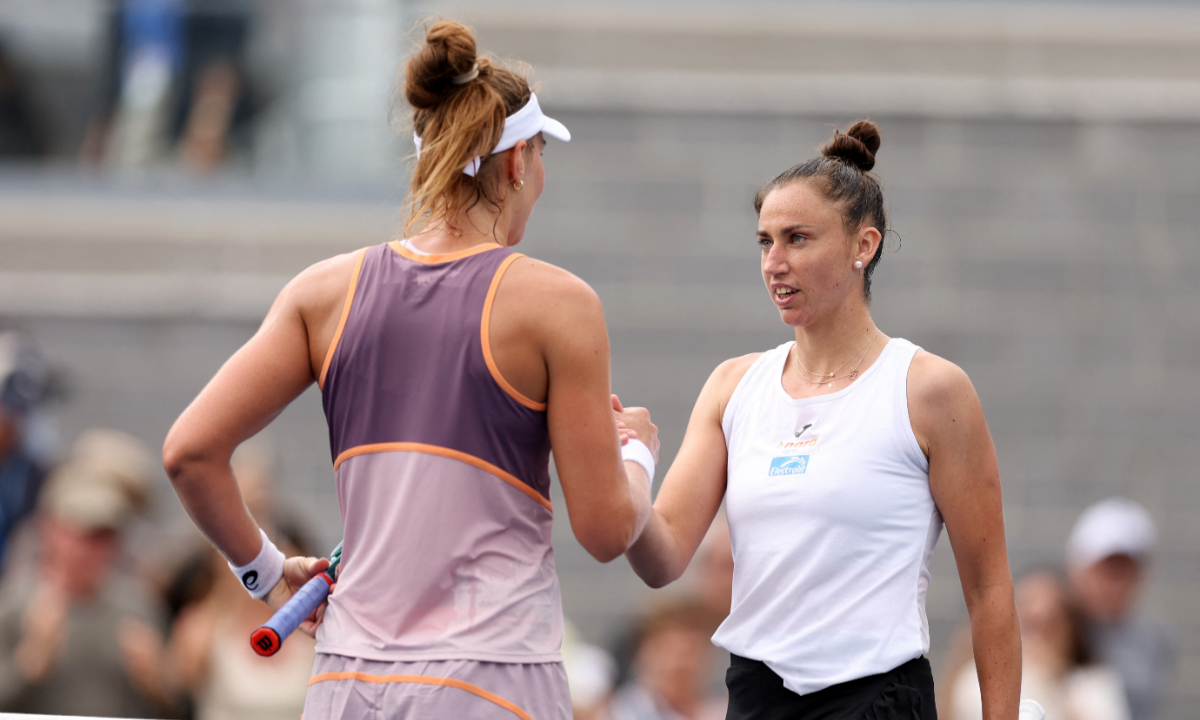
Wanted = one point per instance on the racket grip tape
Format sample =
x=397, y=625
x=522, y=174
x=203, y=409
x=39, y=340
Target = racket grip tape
x=269, y=638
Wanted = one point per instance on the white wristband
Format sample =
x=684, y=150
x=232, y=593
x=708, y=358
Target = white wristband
x=1031, y=710
x=263, y=572
x=636, y=451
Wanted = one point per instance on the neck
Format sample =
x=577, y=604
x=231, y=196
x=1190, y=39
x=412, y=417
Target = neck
x=834, y=343
x=467, y=228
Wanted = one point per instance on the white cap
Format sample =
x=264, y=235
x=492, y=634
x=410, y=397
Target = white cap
x=521, y=125
x=1117, y=526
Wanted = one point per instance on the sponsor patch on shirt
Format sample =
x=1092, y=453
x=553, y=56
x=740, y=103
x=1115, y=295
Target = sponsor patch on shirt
x=792, y=456
x=788, y=465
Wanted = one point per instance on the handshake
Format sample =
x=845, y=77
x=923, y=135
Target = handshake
x=633, y=423
x=638, y=436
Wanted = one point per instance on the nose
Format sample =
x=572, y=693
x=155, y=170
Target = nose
x=774, y=261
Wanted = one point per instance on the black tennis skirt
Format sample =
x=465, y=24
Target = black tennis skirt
x=757, y=693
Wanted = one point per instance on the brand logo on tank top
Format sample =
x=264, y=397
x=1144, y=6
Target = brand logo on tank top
x=792, y=456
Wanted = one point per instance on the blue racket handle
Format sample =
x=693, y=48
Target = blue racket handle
x=269, y=638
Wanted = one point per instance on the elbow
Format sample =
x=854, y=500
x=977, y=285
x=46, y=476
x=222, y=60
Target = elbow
x=657, y=582
x=604, y=553
x=174, y=459
x=177, y=458
x=182, y=459
x=991, y=603
x=657, y=575
x=605, y=545
x=607, y=531
x=608, y=541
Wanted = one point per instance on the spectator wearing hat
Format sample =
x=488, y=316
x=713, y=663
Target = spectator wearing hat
x=1108, y=553
x=77, y=638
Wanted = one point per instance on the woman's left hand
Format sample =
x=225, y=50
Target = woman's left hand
x=297, y=571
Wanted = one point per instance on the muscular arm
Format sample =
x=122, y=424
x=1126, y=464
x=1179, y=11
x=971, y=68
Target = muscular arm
x=692, y=491
x=250, y=390
x=253, y=386
x=965, y=480
x=607, y=499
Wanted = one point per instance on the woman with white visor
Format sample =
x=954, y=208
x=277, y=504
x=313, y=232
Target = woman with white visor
x=838, y=456
x=449, y=368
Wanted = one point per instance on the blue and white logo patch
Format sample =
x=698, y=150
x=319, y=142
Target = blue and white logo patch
x=788, y=465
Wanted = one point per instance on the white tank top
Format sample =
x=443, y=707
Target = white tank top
x=832, y=523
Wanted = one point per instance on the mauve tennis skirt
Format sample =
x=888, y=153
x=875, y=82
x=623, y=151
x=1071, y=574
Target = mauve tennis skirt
x=904, y=693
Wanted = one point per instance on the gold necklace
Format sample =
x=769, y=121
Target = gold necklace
x=830, y=377
x=839, y=367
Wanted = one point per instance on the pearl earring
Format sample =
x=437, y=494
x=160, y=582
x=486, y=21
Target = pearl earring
x=858, y=265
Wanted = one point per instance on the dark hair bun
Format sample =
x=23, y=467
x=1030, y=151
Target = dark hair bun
x=448, y=52
x=856, y=147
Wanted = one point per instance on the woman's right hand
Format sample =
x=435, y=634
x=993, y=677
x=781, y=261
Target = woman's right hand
x=296, y=572
x=692, y=488
x=636, y=422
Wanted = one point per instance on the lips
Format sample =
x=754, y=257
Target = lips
x=783, y=294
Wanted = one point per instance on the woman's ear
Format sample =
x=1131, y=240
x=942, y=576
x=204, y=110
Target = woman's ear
x=866, y=243
x=516, y=162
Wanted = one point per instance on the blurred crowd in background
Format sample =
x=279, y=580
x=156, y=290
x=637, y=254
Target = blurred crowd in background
x=172, y=85
x=110, y=602
x=97, y=621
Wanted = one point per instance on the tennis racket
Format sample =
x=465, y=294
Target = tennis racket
x=267, y=640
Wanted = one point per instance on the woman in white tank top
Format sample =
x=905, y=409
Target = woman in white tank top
x=839, y=457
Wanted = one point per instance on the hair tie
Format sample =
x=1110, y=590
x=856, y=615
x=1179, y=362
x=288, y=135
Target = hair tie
x=468, y=76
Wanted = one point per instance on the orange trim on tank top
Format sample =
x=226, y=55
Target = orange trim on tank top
x=424, y=680
x=337, y=335
x=438, y=259
x=446, y=453
x=484, y=328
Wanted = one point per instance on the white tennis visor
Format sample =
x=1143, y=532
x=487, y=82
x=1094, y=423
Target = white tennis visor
x=521, y=125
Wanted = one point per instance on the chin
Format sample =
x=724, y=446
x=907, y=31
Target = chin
x=796, y=312
x=792, y=317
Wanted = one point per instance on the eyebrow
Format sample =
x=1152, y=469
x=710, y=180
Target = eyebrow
x=787, y=230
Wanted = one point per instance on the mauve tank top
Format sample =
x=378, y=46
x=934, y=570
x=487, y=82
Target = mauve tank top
x=442, y=471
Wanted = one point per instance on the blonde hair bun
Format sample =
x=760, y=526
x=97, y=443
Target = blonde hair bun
x=448, y=53
x=459, y=101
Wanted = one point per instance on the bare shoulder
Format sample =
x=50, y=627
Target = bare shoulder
x=328, y=275
x=321, y=285
x=540, y=286
x=942, y=402
x=338, y=265
x=725, y=378
x=538, y=277
x=731, y=371
x=936, y=382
